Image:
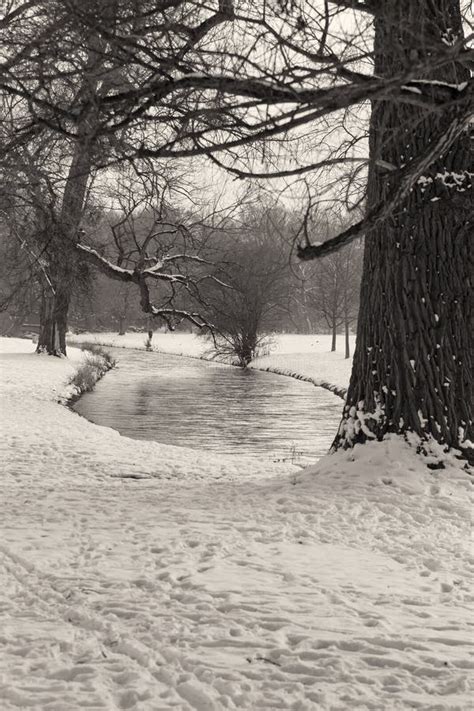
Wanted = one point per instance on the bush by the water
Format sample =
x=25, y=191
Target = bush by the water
x=97, y=350
x=97, y=362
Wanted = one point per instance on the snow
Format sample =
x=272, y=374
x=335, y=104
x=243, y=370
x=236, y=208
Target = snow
x=211, y=583
x=413, y=89
x=112, y=267
x=435, y=82
x=310, y=356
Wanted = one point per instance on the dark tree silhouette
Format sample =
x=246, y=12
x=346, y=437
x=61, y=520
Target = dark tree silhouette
x=250, y=297
x=412, y=367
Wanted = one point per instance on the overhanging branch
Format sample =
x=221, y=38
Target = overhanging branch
x=383, y=210
x=171, y=315
x=355, y=5
x=326, y=163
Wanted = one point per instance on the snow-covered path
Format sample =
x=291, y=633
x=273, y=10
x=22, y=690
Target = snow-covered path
x=216, y=585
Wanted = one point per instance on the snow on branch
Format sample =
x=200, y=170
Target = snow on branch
x=169, y=313
x=355, y=5
x=273, y=92
x=186, y=257
x=111, y=270
x=132, y=275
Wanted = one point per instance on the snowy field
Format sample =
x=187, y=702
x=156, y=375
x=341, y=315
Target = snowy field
x=153, y=578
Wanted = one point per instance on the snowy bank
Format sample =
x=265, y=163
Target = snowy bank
x=294, y=355
x=96, y=363
x=32, y=386
x=214, y=583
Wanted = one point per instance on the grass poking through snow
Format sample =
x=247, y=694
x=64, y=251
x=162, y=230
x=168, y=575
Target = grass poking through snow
x=96, y=364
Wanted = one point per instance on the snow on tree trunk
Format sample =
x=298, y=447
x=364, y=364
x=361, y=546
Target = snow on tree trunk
x=412, y=369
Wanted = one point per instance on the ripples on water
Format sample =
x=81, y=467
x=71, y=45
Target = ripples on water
x=189, y=403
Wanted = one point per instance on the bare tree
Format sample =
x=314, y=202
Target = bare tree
x=250, y=297
x=283, y=67
x=352, y=271
x=160, y=250
x=333, y=290
x=60, y=55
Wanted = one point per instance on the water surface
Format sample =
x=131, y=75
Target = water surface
x=191, y=403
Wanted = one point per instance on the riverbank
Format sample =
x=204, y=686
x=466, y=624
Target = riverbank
x=95, y=364
x=212, y=407
x=140, y=576
x=306, y=357
x=32, y=385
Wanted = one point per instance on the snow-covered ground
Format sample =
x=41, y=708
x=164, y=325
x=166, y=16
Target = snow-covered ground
x=147, y=577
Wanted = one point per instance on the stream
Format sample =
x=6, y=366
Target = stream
x=191, y=403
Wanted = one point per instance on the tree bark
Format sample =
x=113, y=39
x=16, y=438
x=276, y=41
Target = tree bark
x=63, y=262
x=412, y=371
x=334, y=335
x=53, y=322
x=346, y=335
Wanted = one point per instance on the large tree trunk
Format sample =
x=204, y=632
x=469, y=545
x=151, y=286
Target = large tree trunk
x=60, y=244
x=412, y=371
x=53, y=321
x=63, y=261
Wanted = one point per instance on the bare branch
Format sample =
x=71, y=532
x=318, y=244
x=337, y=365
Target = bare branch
x=408, y=176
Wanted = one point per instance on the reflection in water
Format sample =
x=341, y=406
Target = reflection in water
x=189, y=403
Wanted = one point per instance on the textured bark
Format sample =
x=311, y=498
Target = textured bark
x=63, y=262
x=412, y=370
x=347, y=353
x=48, y=340
x=53, y=321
